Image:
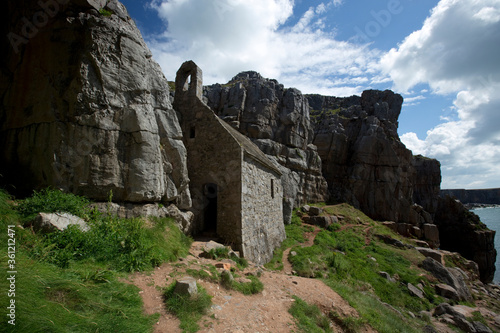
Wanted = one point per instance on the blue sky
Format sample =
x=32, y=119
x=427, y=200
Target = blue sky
x=443, y=56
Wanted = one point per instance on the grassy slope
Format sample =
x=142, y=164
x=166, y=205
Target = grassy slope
x=348, y=258
x=70, y=281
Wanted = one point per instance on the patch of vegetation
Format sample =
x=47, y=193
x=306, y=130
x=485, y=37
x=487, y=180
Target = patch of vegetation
x=171, y=85
x=255, y=286
x=51, y=299
x=105, y=12
x=70, y=281
x=477, y=316
x=351, y=214
x=218, y=253
x=377, y=315
x=223, y=253
x=247, y=288
x=309, y=318
x=189, y=309
x=348, y=324
x=124, y=244
x=53, y=201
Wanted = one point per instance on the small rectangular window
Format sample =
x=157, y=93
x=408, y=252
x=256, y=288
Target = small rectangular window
x=272, y=188
x=192, y=133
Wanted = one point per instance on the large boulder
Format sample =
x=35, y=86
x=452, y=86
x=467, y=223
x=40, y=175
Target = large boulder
x=451, y=276
x=85, y=108
x=50, y=222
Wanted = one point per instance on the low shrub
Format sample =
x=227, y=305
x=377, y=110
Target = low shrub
x=52, y=201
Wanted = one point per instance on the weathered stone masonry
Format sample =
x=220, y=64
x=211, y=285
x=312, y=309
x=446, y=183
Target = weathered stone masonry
x=236, y=190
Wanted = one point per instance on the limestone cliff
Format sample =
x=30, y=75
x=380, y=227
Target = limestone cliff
x=84, y=107
x=277, y=121
x=363, y=159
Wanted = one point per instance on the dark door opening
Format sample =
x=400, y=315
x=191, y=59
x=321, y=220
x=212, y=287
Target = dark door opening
x=210, y=213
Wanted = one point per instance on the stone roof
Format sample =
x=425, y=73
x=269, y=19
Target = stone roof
x=249, y=147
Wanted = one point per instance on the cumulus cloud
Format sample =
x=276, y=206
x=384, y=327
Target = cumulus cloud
x=457, y=51
x=226, y=37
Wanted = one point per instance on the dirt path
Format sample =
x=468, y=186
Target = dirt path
x=309, y=236
x=234, y=312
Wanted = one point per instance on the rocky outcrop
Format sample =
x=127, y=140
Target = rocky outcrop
x=363, y=159
x=84, y=108
x=427, y=183
x=461, y=231
x=277, y=121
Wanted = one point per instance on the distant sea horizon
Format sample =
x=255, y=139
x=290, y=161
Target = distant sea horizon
x=491, y=217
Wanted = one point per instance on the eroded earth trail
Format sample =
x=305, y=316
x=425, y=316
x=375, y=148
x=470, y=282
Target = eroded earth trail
x=234, y=312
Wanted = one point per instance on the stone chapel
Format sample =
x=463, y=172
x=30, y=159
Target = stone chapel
x=236, y=190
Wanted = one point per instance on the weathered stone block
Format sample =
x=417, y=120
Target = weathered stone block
x=404, y=229
x=50, y=222
x=391, y=225
x=447, y=291
x=186, y=286
x=315, y=211
x=434, y=254
x=320, y=221
x=415, y=291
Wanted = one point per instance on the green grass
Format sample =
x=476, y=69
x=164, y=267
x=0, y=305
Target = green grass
x=51, y=201
x=372, y=311
x=211, y=274
x=223, y=253
x=345, y=261
x=124, y=244
x=71, y=281
x=188, y=309
x=309, y=318
x=246, y=288
x=52, y=299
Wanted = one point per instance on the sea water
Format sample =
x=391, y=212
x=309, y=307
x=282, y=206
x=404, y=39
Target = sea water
x=491, y=217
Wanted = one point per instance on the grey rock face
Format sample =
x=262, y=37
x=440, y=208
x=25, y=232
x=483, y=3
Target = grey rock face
x=450, y=276
x=363, y=159
x=84, y=108
x=461, y=231
x=277, y=121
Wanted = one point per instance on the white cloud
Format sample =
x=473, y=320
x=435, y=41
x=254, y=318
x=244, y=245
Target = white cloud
x=457, y=51
x=411, y=101
x=225, y=37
